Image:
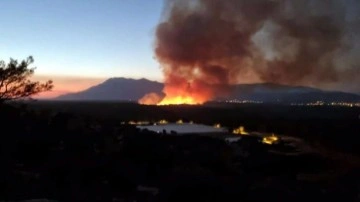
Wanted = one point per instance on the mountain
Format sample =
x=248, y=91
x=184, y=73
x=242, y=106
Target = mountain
x=123, y=89
x=269, y=92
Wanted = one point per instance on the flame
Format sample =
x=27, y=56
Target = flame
x=178, y=100
x=153, y=99
x=184, y=92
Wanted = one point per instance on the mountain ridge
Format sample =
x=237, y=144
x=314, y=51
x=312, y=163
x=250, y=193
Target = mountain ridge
x=129, y=89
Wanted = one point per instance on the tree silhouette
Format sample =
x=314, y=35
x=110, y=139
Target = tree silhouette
x=15, y=82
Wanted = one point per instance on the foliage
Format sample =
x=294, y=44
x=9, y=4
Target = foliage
x=69, y=156
x=15, y=82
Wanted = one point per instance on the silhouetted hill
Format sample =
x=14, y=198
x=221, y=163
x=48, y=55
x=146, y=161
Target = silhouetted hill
x=269, y=92
x=123, y=89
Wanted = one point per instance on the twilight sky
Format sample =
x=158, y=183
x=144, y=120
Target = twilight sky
x=79, y=43
x=82, y=42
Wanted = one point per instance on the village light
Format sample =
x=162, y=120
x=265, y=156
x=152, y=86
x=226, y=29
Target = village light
x=240, y=131
x=217, y=125
x=270, y=139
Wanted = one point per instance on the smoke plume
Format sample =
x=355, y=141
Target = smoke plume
x=204, y=46
x=150, y=99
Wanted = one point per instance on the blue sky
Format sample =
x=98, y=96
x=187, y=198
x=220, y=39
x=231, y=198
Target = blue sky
x=82, y=38
x=91, y=39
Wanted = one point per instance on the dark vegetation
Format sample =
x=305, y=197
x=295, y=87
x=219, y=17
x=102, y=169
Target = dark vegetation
x=327, y=124
x=15, y=80
x=79, y=151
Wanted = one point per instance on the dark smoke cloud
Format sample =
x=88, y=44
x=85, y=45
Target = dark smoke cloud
x=307, y=42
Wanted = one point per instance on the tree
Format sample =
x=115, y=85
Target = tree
x=15, y=80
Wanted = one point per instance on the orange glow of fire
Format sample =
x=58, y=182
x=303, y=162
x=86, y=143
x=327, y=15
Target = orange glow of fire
x=150, y=99
x=179, y=91
x=179, y=100
x=184, y=93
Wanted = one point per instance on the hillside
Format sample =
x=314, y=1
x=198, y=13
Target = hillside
x=123, y=89
x=269, y=92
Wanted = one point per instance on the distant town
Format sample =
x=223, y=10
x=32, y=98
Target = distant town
x=317, y=103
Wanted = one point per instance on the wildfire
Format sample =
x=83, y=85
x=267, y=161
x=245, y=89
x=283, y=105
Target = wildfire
x=184, y=92
x=179, y=91
x=153, y=99
x=150, y=99
x=178, y=100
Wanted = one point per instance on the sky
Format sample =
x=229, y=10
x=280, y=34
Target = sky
x=78, y=43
